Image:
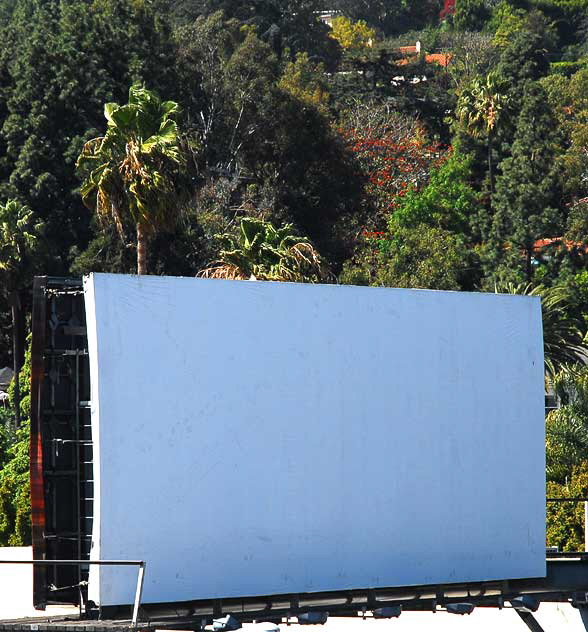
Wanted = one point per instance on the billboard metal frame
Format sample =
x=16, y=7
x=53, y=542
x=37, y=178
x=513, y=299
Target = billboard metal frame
x=60, y=441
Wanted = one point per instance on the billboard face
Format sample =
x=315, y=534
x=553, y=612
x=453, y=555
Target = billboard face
x=256, y=438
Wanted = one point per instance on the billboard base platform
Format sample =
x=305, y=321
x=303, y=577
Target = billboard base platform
x=565, y=583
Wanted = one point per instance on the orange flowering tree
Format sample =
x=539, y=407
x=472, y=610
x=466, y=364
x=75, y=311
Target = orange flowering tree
x=393, y=153
x=401, y=169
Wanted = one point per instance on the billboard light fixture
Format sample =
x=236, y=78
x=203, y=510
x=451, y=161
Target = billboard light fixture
x=387, y=612
x=460, y=608
x=525, y=603
x=312, y=618
x=226, y=624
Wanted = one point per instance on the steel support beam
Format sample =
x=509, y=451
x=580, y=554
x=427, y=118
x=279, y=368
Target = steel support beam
x=583, y=610
x=530, y=621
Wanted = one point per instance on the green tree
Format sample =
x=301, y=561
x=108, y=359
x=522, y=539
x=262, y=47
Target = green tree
x=7, y=436
x=15, y=504
x=565, y=520
x=233, y=73
x=526, y=198
x=470, y=15
x=268, y=148
x=567, y=426
x=447, y=201
x=205, y=47
x=506, y=21
x=526, y=56
x=389, y=17
x=250, y=74
x=266, y=253
x=20, y=231
x=419, y=256
x=352, y=36
x=287, y=26
x=563, y=332
x=15, y=497
x=304, y=80
x=569, y=100
x=134, y=167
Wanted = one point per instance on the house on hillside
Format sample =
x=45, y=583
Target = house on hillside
x=327, y=17
x=411, y=53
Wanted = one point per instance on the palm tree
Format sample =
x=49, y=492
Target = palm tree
x=19, y=234
x=132, y=172
x=479, y=107
x=562, y=333
x=264, y=252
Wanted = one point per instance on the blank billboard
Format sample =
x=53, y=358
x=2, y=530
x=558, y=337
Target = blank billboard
x=256, y=438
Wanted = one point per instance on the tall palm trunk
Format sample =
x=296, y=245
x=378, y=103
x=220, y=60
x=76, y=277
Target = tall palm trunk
x=14, y=304
x=490, y=172
x=141, y=249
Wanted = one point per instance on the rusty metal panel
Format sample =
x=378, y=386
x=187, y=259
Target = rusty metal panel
x=36, y=449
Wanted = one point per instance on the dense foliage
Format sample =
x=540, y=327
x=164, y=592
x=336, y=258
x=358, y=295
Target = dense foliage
x=567, y=459
x=422, y=143
x=15, y=503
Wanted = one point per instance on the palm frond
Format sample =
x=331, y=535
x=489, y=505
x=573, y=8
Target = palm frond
x=481, y=103
x=566, y=429
x=131, y=171
x=221, y=270
x=20, y=231
x=266, y=253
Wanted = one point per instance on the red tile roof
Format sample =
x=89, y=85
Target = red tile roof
x=407, y=50
x=559, y=242
x=442, y=59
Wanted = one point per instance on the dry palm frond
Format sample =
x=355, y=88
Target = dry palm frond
x=220, y=270
x=307, y=261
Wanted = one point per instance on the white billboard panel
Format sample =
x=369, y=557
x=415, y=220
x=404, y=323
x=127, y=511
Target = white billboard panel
x=256, y=438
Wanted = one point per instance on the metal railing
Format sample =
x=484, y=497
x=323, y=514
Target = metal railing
x=140, y=575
